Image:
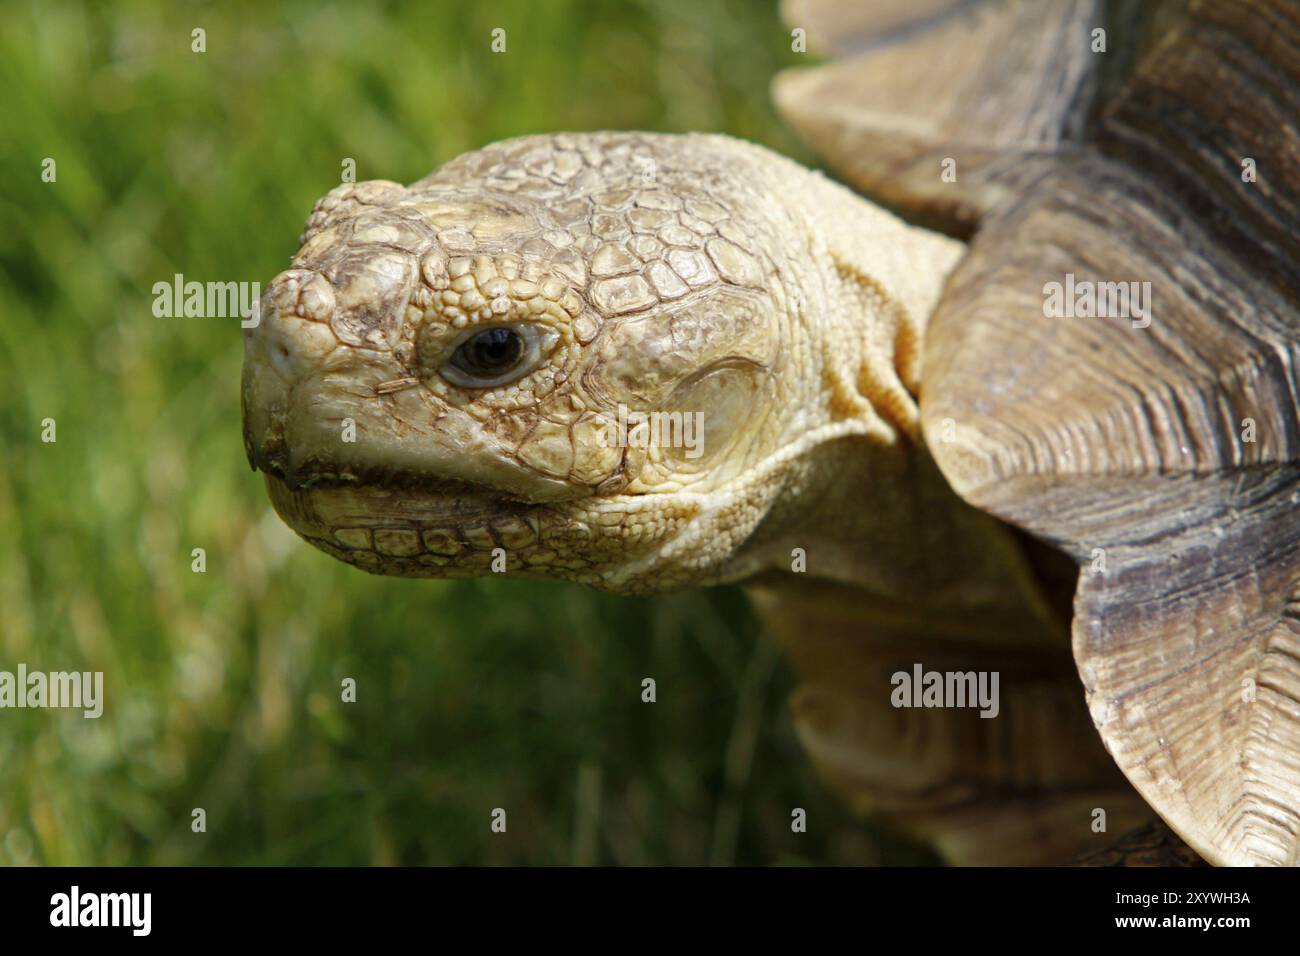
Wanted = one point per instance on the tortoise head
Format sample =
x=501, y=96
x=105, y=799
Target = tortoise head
x=591, y=357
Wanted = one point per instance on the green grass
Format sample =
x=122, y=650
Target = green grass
x=223, y=688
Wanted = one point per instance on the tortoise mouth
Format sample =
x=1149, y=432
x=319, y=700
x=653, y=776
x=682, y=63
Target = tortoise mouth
x=411, y=525
x=380, y=481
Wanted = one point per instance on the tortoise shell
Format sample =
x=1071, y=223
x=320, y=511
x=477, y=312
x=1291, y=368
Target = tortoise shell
x=1113, y=364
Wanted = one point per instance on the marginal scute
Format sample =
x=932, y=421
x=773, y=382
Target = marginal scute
x=1205, y=611
x=953, y=107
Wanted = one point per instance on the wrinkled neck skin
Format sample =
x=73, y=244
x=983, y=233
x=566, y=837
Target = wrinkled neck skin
x=865, y=518
x=877, y=532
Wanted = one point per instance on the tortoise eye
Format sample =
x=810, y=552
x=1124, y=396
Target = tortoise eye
x=489, y=353
x=497, y=355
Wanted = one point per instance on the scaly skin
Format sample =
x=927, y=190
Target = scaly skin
x=670, y=280
x=691, y=274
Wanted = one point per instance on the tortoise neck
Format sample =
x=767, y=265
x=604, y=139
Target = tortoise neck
x=879, y=525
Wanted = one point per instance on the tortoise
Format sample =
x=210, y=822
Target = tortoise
x=1029, y=386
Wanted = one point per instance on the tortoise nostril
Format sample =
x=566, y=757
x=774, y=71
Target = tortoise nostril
x=290, y=344
x=283, y=353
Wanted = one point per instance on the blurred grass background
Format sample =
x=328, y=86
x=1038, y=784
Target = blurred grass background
x=223, y=688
